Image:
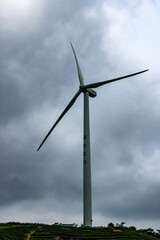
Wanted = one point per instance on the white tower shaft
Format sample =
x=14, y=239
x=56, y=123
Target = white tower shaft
x=87, y=194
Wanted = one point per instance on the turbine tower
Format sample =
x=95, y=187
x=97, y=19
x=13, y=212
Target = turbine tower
x=88, y=92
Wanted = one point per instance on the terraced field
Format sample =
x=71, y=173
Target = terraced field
x=17, y=231
x=87, y=233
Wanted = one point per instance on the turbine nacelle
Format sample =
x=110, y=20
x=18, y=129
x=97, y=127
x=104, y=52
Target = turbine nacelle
x=91, y=92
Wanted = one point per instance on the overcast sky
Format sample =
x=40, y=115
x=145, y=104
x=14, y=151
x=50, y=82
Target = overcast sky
x=37, y=80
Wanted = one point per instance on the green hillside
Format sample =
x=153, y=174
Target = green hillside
x=18, y=231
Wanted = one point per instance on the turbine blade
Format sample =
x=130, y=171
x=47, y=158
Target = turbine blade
x=60, y=117
x=80, y=76
x=98, y=84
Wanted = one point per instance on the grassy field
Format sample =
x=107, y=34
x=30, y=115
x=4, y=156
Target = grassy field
x=28, y=231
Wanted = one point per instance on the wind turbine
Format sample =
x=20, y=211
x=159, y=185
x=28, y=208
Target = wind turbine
x=88, y=92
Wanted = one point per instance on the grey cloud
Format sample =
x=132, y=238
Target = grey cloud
x=134, y=203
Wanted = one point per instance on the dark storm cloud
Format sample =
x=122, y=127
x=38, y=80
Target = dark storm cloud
x=22, y=178
x=38, y=78
x=137, y=200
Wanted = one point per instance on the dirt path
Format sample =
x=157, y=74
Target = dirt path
x=29, y=235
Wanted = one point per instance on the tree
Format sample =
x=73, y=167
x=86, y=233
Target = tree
x=122, y=224
x=111, y=225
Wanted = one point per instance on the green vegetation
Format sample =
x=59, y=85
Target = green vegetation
x=28, y=231
x=15, y=231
